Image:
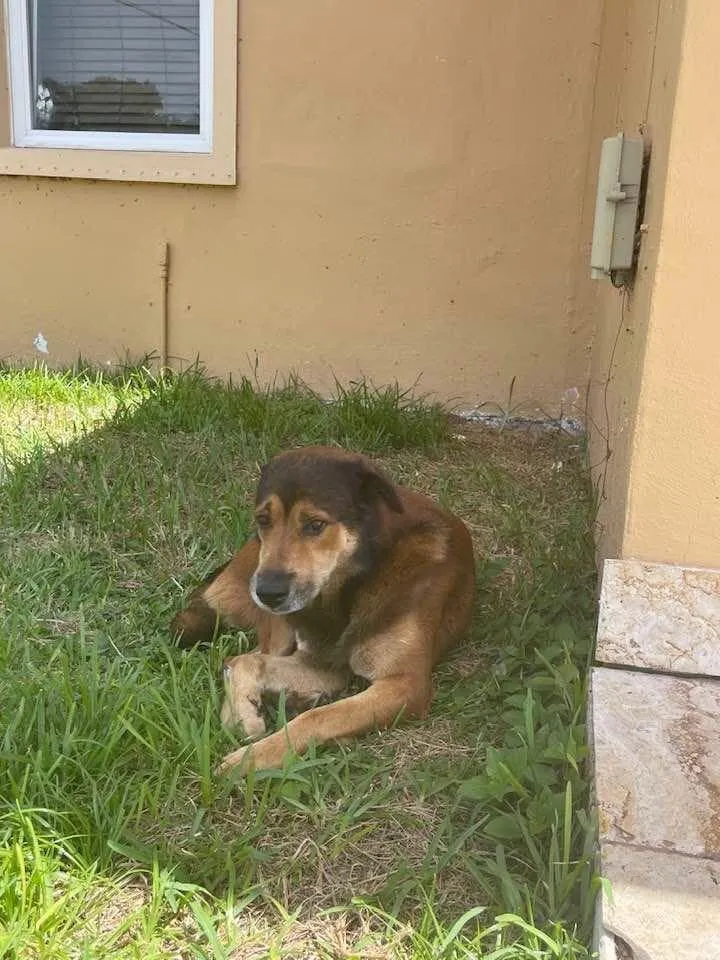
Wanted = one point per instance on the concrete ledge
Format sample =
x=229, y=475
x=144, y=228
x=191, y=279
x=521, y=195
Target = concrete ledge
x=659, y=617
x=655, y=737
x=657, y=761
x=664, y=905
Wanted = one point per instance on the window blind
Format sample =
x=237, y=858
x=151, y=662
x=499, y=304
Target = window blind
x=116, y=65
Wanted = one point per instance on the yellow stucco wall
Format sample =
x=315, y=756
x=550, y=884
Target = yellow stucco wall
x=674, y=492
x=410, y=180
x=656, y=352
x=635, y=92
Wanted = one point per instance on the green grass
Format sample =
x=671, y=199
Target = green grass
x=462, y=836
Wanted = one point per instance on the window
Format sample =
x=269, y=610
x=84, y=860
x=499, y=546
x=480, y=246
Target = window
x=124, y=76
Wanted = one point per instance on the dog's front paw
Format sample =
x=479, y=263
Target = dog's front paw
x=247, y=715
x=239, y=762
x=267, y=754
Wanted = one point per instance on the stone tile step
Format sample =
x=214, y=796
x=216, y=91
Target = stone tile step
x=656, y=749
x=663, y=906
x=659, y=617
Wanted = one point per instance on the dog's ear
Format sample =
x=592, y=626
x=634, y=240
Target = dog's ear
x=374, y=486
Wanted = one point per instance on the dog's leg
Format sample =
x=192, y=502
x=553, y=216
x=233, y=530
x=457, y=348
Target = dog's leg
x=399, y=668
x=397, y=664
x=374, y=708
x=250, y=675
x=397, y=661
x=223, y=599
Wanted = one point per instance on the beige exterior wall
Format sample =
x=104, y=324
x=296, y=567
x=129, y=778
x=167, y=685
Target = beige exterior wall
x=655, y=363
x=674, y=502
x=635, y=90
x=417, y=201
x=410, y=180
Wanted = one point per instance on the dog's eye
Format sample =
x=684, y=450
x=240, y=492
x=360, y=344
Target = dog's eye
x=315, y=526
x=262, y=520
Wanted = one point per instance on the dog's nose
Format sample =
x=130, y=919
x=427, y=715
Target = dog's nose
x=272, y=588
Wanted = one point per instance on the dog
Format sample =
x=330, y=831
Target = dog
x=348, y=576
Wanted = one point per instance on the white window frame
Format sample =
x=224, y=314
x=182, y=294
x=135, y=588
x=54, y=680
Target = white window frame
x=21, y=106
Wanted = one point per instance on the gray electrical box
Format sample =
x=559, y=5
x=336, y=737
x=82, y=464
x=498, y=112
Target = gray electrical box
x=618, y=195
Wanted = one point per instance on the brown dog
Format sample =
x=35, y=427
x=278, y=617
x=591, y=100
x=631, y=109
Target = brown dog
x=348, y=576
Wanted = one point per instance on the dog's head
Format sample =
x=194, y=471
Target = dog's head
x=317, y=511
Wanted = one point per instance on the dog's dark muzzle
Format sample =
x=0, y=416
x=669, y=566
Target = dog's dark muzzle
x=273, y=587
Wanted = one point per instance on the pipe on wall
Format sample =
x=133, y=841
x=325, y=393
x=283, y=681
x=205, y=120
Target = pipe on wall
x=164, y=264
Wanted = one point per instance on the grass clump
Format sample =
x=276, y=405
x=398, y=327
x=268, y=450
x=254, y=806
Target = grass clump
x=463, y=836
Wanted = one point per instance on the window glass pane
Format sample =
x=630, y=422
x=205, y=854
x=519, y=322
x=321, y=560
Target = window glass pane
x=116, y=65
